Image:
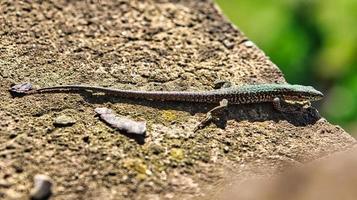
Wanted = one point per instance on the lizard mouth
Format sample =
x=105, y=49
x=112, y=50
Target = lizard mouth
x=318, y=96
x=313, y=97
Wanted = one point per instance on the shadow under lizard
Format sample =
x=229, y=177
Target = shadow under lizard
x=245, y=94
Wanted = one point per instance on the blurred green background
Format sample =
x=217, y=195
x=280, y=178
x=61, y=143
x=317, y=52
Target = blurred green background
x=314, y=42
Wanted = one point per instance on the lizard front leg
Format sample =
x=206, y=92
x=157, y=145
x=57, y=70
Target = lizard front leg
x=277, y=106
x=212, y=114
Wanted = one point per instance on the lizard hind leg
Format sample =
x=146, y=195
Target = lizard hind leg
x=213, y=114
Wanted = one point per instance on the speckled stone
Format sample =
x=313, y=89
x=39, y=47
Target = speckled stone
x=64, y=120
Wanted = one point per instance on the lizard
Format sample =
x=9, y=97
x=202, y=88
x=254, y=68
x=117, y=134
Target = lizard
x=245, y=94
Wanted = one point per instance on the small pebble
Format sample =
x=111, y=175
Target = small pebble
x=249, y=43
x=64, y=120
x=228, y=44
x=4, y=183
x=226, y=149
x=42, y=187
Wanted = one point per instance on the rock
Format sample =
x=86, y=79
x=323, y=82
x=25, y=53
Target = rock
x=64, y=120
x=249, y=43
x=4, y=183
x=121, y=122
x=42, y=187
x=226, y=149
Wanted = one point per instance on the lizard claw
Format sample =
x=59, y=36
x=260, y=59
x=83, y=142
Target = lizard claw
x=212, y=114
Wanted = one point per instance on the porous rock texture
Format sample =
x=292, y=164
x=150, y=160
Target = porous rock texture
x=146, y=45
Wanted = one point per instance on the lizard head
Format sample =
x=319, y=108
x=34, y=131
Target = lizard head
x=302, y=93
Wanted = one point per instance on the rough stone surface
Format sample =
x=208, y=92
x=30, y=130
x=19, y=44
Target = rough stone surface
x=148, y=45
x=331, y=177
